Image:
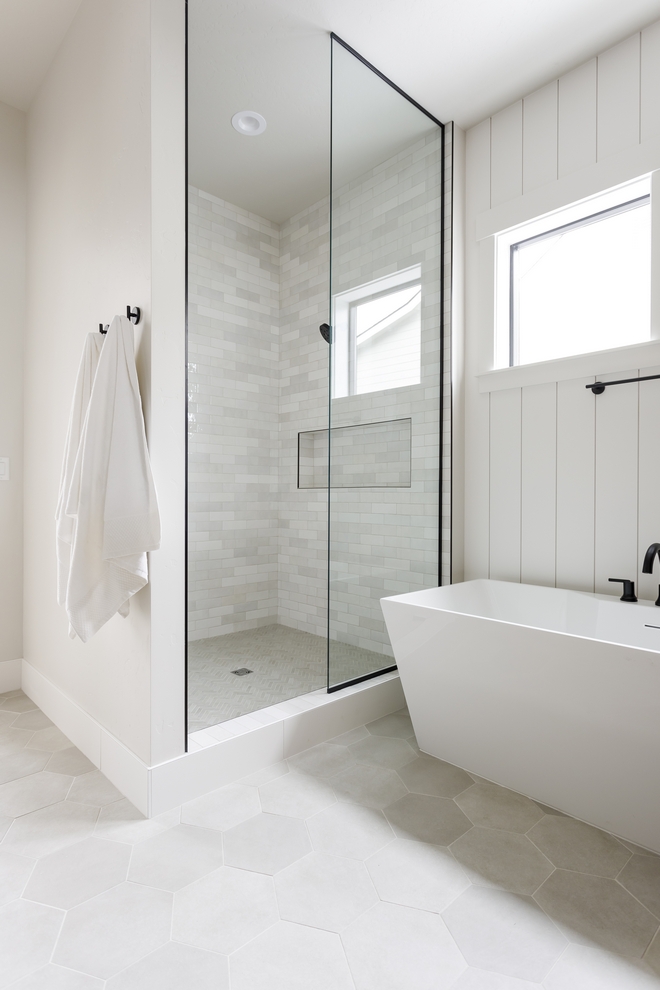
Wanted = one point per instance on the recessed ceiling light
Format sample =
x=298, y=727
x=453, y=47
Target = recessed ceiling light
x=248, y=122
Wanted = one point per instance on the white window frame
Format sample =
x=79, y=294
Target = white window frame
x=344, y=351
x=576, y=214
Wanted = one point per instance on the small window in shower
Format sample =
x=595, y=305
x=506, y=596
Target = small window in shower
x=377, y=335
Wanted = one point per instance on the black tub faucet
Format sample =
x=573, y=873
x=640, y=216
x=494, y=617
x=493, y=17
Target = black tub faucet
x=649, y=560
x=628, y=589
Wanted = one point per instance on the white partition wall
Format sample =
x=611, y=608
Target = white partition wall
x=561, y=485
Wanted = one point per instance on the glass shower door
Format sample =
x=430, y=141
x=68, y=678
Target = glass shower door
x=384, y=448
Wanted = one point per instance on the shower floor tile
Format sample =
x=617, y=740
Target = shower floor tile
x=283, y=663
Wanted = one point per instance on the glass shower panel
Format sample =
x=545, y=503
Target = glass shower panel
x=385, y=360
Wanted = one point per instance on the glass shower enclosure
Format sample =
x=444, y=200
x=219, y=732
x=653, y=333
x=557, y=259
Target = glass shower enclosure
x=315, y=366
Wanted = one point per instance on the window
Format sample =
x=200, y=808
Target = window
x=377, y=335
x=577, y=281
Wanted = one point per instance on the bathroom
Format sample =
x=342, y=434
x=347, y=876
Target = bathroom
x=287, y=826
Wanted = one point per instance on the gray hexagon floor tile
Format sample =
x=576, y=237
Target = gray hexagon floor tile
x=48, y=829
x=224, y=808
x=57, y=978
x=641, y=876
x=349, y=830
x=371, y=787
x=389, y=752
x=396, y=724
x=20, y=797
x=417, y=874
x=392, y=947
x=76, y=873
x=496, y=807
x=175, y=966
x=176, y=857
x=266, y=843
x=597, y=911
x=69, y=761
x=28, y=933
x=652, y=955
x=122, y=822
x=572, y=845
x=50, y=740
x=322, y=760
x=427, y=819
x=479, y=979
x=225, y=910
x=13, y=740
x=426, y=775
x=291, y=957
x=502, y=859
x=14, y=874
x=17, y=702
x=582, y=967
x=103, y=936
x=22, y=763
x=324, y=891
x=296, y=795
x=33, y=720
x=94, y=788
x=504, y=933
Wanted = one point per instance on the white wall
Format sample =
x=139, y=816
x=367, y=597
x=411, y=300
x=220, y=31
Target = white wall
x=89, y=255
x=12, y=321
x=561, y=486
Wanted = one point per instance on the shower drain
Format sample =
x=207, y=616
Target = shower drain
x=242, y=671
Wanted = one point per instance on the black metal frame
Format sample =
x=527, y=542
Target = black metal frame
x=334, y=37
x=392, y=667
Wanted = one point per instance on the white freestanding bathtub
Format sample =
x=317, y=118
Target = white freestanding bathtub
x=552, y=693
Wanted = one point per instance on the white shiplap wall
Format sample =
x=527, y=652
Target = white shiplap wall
x=562, y=487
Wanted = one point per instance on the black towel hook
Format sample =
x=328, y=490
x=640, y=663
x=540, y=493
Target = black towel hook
x=133, y=313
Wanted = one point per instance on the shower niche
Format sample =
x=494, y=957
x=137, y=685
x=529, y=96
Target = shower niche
x=316, y=468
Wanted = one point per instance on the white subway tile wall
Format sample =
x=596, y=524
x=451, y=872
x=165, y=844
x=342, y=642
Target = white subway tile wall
x=258, y=377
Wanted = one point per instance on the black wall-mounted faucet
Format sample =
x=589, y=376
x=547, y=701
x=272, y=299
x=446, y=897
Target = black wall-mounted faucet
x=628, y=588
x=649, y=560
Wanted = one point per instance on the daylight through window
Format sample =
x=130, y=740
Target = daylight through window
x=580, y=286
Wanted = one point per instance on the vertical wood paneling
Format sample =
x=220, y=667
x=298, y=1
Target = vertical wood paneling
x=506, y=154
x=505, y=427
x=655, y=256
x=618, y=97
x=649, y=480
x=538, y=483
x=575, y=485
x=477, y=168
x=540, y=137
x=577, y=118
x=650, y=80
x=477, y=512
x=616, y=483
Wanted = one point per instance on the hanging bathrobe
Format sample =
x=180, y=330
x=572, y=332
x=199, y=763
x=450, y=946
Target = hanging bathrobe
x=65, y=525
x=111, y=495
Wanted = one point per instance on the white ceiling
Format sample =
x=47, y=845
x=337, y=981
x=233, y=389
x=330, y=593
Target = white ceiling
x=31, y=31
x=460, y=59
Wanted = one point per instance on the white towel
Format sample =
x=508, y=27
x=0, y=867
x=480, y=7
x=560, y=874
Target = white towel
x=111, y=495
x=65, y=525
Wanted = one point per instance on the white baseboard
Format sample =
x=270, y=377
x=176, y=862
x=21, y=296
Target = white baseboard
x=10, y=675
x=293, y=727
x=122, y=767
